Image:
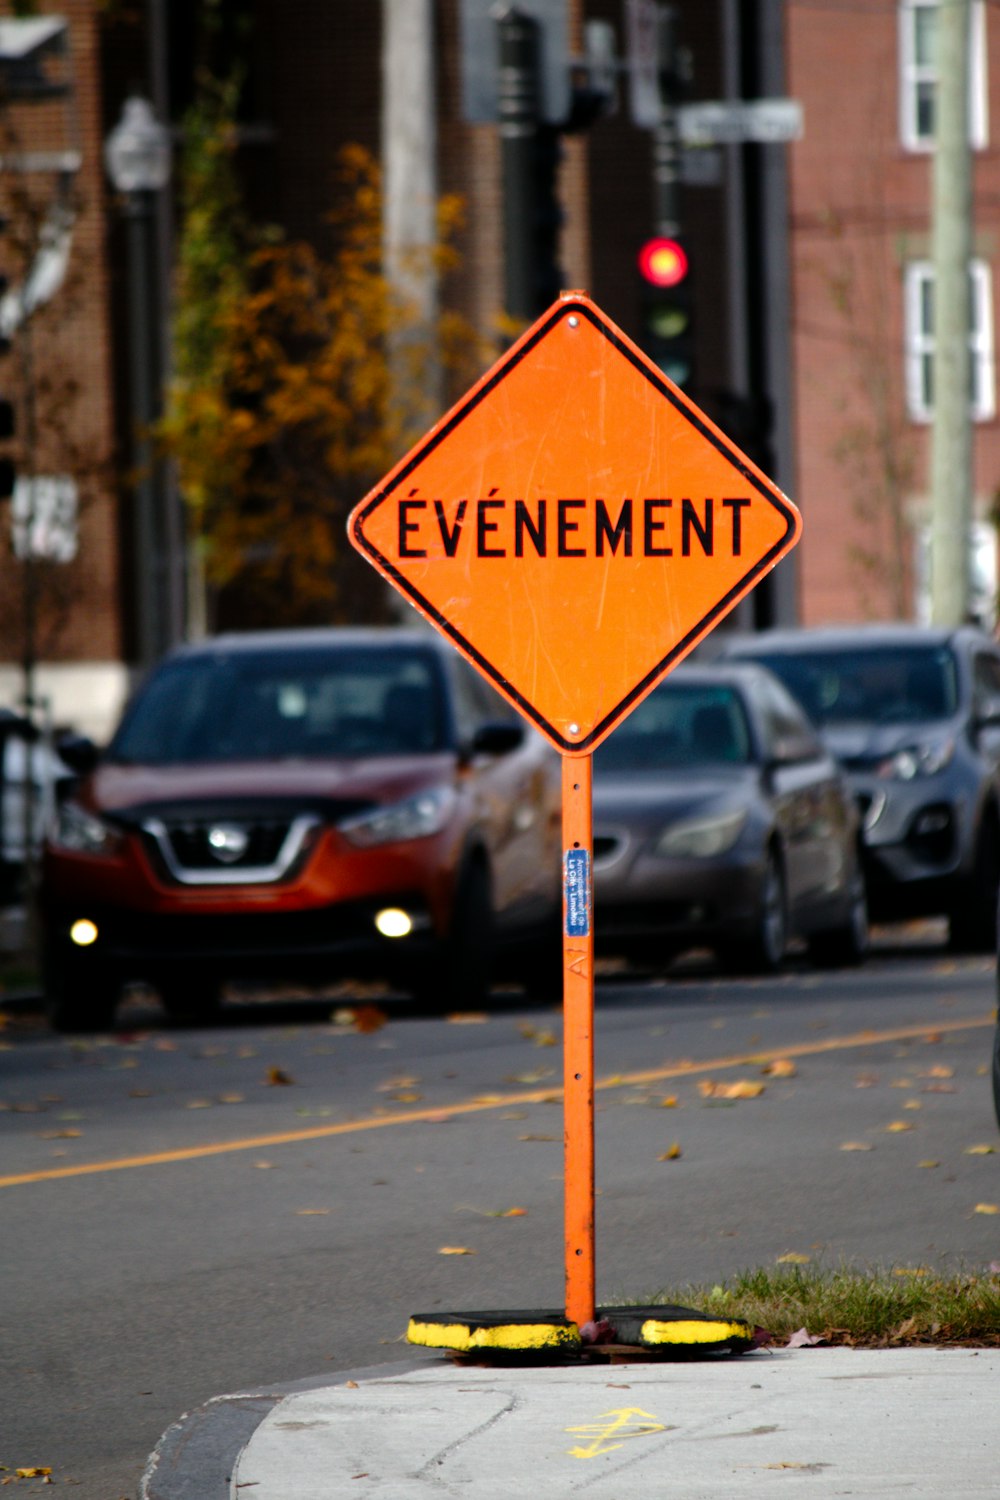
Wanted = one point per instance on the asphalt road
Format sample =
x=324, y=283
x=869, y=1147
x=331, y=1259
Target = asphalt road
x=185, y=1213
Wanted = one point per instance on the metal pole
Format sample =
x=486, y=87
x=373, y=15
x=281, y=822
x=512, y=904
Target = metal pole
x=518, y=112
x=951, y=432
x=145, y=378
x=409, y=173
x=578, y=1035
x=666, y=138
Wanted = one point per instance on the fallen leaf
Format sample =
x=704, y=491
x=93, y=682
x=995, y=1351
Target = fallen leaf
x=515, y=1114
x=467, y=1018
x=455, y=1250
x=37, y=1473
x=671, y=1154
x=513, y=1213
x=535, y=1075
x=264, y=1166
x=987, y=1208
x=670, y=1102
x=980, y=1150
x=198, y=1104
x=363, y=1018
x=781, y=1067
x=232, y=1098
x=350, y=1385
x=802, y=1339
x=913, y=1104
x=277, y=1078
x=793, y=1258
x=928, y=1163
x=938, y=1071
x=402, y=1081
x=932, y=1038
x=866, y=1081
x=538, y=1137
x=856, y=1146
x=304, y=1212
x=910, y=1271
x=901, y=1083
x=545, y=1039
x=897, y=1126
x=744, y=1088
x=59, y=1135
x=409, y=1098
x=140, y=1093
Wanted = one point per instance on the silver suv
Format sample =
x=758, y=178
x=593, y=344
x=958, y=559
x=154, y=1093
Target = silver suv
x=913, y=715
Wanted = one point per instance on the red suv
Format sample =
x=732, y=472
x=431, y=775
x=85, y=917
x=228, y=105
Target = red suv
x=304, y=804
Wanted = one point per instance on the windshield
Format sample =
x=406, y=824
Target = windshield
x=246, y=706
x=679, y=725
x=881, y=685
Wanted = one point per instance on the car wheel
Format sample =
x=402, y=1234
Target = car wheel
x=193, y=1001
x=764, y=950
x=462, y=974
x=79, y=996
x=972, y=921
x=846, y=944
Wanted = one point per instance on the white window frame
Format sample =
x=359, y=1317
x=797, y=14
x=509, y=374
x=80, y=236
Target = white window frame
x=913, y=74
x=919, y=337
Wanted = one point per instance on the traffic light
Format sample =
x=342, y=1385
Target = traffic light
x=666, y=308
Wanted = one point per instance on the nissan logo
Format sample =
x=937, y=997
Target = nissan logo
x=228, y=842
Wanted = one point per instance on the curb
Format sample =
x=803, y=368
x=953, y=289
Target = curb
x=197, y=1455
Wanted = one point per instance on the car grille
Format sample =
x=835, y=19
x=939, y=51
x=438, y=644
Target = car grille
x=233, y=842
x=192, y=850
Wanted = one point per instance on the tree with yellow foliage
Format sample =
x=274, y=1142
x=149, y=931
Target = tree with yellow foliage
x=289, y=399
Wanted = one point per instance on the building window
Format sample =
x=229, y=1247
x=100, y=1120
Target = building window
x=919, y=311
x=918, y=74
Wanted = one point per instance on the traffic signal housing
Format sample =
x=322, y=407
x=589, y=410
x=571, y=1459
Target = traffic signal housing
x=666, y=307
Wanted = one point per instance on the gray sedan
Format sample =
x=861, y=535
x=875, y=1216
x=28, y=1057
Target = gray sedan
x=721, y=821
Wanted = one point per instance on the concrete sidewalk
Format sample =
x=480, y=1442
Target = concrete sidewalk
x=794, y=1423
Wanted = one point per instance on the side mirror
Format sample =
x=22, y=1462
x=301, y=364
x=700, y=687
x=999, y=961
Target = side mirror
x=793, y=749
x=988, y=710
x=496, y=739
x=78, y=752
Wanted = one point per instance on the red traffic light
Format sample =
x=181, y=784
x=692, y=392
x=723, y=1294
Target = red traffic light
x=663, y=262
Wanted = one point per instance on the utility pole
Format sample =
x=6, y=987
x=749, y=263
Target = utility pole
x=951, y=432
x=409, y=177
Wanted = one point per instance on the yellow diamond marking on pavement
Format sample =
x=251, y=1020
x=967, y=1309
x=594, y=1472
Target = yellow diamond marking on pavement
x=625, y=1422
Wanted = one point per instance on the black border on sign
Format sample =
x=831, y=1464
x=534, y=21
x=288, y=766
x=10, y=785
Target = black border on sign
x=458, y=415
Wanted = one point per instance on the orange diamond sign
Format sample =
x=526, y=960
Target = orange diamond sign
x=574, y=525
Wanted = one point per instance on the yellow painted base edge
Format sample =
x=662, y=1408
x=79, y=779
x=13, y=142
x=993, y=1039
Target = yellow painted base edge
x=511, y=1336
x=654, y=1333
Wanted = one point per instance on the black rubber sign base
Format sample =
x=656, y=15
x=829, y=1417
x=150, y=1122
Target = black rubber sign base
x=665, y=1330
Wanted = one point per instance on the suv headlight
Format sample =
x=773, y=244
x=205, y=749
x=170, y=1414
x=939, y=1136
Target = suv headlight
x=701, y=838
x=417, y=818
x=75, y=828
x=923, y=759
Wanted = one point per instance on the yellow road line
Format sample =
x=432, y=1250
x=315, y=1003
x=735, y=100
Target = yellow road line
x=498, y=1101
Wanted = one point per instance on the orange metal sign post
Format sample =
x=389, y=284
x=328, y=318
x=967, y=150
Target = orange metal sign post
x=575, y=526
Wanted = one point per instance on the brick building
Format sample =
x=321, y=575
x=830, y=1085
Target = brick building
x=810, y=271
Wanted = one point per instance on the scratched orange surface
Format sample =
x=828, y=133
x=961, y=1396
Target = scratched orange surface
x=574, y=524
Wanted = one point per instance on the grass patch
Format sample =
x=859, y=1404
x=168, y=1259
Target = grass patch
x=875, y=1308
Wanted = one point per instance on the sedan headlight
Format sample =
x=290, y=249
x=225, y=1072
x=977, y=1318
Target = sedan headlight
x=75, y=828
x=702, y=838
x=417, y=818
x=923, y=759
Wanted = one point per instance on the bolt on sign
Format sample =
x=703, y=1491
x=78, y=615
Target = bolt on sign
x=575, y=525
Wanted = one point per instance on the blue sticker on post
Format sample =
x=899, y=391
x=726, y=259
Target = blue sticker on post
x=576, y=889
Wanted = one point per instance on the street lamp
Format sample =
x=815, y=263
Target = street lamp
x=137, y=158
